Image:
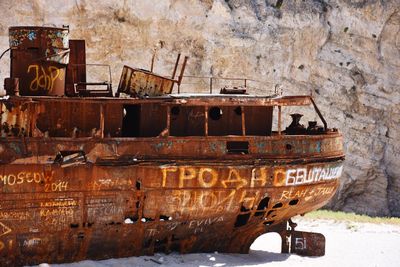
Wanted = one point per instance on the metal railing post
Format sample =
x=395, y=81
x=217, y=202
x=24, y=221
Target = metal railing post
x=279, y=120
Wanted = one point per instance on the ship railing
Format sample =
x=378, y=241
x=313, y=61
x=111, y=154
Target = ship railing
x=212, y=84
x=98, y=84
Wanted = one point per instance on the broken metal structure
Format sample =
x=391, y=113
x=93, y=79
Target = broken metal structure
x=86, y=175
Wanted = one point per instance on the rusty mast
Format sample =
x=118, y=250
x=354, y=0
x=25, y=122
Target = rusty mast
x=89, y=175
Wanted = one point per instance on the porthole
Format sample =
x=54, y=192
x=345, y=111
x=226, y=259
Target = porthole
x=175, y=111
x=238, y=111
x=215, y=113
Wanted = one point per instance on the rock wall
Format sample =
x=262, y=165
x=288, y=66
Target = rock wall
x=345, y=52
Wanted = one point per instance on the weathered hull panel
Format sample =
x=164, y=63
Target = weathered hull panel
x=53, y=213
x=34, y=150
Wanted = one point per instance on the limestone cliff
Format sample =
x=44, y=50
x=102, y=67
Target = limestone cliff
x=345, y=52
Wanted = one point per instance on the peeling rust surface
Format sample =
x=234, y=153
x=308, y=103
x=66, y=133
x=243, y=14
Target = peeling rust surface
x=138, y=82
x=78, y=181
x=308, y=244
x=144, y=83
x=74, y=187
x=116, y=212
x=101, y=177
x=38, y=59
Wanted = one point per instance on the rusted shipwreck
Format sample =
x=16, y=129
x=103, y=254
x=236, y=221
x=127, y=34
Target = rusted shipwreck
x=89, y=175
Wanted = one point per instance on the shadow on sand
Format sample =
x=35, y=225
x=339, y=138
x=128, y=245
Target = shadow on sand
x=255, y=257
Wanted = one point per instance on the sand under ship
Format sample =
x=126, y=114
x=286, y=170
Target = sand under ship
x=89, y=174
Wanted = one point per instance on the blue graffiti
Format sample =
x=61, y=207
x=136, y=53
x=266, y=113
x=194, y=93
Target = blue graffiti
x=217, y=146
x=213, y=147
x=16, y=148
x=318, y=146
x=14, y=43
x=261, y=147
x=161, y=145
x=31, y=35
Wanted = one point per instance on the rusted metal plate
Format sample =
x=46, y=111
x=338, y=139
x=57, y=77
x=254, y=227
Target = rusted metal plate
x=38, y=59
x=11, y=85
x=144, y=83
x=138, y=82
x=116, y=212
x=88, y=123
x=160, y=149
x=192, y=100
x=76, y=70
x=307, y=244
x=37, y=77
x=54, y=41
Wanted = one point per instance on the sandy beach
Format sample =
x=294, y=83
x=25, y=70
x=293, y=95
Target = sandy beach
x=347, y=244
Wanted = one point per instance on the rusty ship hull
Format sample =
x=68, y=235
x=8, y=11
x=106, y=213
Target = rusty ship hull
x=116, y=197
x=86, y=175
x=69, y=220
x=50, y=214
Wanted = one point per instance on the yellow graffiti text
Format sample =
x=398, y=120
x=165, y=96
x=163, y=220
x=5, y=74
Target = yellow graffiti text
x=59, y=203
x=4, y=229
x=15, y=215
x=234, y=178
x=204, y=200
x=207, y=177
x=25, y=177
x=56, y=187
x=44, y=77
x=56, y=212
